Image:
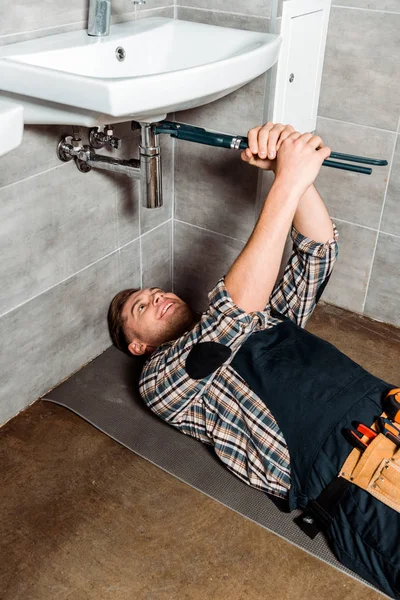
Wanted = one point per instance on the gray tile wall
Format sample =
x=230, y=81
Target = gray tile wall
x=73, y=240
x=215, y=193
x=68, y=241
x=359, y=113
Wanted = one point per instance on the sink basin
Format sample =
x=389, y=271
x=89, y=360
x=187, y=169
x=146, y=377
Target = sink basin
x=11, y=125
x=168, y=64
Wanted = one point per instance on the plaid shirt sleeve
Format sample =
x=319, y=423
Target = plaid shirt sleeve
x=306, y=274
x=165, y=385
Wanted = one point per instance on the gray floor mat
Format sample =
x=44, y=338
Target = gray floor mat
x=105, y=393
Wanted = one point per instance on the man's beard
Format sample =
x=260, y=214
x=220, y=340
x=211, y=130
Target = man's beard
x=180, y=321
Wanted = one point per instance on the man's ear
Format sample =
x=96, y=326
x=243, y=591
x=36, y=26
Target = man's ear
x=137, y=348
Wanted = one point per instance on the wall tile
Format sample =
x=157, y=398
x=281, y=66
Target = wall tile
x=214, y=189
x=261, y=8
x=25, y=15
x=384, y=289
x=37, y=153
x=360, y=80
x=157, y=256
x=54, y=225
x=248, y=23
x=348, y=283
x=125, y=6
x=201, y=259
x=21, y=36
x=236, y=113
x=56, y=333
x=381, y=5
x=391, y=214
x=162, y=11
x=352, y=196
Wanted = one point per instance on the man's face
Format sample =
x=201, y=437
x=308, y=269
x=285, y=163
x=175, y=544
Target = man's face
x=153, y=317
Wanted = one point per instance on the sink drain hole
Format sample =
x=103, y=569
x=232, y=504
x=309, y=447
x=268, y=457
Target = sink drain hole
x=120, y=53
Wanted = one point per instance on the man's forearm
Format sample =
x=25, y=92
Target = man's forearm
x=251, y=278
x=312, y=218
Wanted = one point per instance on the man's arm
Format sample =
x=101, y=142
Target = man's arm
x=251, y=278
x=312, y=218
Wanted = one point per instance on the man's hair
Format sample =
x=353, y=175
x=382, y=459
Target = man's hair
x=116, y=321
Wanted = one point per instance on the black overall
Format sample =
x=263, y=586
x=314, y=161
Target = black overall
x=314, y=391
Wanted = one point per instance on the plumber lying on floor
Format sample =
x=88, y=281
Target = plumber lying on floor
x=273, y=399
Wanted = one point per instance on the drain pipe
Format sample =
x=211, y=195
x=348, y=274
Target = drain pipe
x=150, y=167
x=147, y=168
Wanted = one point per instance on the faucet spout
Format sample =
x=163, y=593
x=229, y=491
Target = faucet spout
x=99, y=17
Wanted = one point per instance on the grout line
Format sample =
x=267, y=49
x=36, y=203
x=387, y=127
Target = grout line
x=4, y=187
x=147, y=10
x=141, y=262
x=364, y=227
x=140, y=237
x=32, y=31
x=154, y=228
x=67, y=278
x=224, y=12
x=374, y=10
x=211, y=231
x=379, y=225
x=391, y=234
x=357, y=124
x=352, y=223
x=116, y=229
x=173, y=215
x=66, y=27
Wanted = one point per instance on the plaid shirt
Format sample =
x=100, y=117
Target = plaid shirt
x=221, y=409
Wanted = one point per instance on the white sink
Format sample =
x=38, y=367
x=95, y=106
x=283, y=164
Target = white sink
x=11, y=125
x=73, y=78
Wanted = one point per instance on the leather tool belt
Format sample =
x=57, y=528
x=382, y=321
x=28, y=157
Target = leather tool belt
x=376, y=470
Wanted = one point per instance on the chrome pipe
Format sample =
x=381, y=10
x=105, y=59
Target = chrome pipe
x=115, y=165
x=150, y=165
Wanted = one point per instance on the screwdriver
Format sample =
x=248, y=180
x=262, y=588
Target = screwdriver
x=389, y=430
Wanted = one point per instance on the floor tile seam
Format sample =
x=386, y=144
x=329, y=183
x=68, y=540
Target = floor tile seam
x=51, y=287
x=224, y=12
x=341, y=569
x=373, y=10
x=319, y=116
x=379, y=225
x=212, y=231
x=8, y=185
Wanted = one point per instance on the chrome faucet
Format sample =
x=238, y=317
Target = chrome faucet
x=100, y=16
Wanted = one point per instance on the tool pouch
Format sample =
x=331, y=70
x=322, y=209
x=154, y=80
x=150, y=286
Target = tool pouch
x=376, y=470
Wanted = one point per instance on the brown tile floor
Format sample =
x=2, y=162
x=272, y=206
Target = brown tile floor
x=83, y=518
